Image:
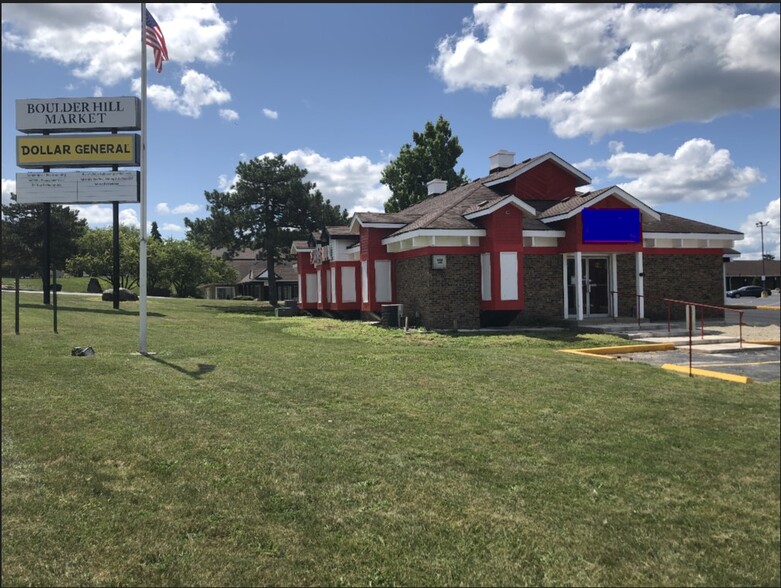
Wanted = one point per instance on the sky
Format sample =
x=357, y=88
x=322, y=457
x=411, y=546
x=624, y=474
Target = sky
x=678, y=104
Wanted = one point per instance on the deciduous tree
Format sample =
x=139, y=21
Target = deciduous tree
x=186, y=265
x=96, y=256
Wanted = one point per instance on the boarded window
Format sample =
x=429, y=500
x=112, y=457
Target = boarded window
x=485, y=276
x=382, y=280
x=348, y=284
x=508, y=270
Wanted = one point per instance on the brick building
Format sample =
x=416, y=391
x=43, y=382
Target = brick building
x=517, y=246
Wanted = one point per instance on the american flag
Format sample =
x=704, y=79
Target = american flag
x=156, y=40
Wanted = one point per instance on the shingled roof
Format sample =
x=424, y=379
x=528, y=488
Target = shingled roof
x=669, y=223
x=447, y=211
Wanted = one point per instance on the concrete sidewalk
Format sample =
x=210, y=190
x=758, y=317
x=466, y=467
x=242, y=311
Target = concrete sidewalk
x=709, y=343
x=703, y=340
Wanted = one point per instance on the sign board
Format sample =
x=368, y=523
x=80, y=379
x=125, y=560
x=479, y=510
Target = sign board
x=77, y=150
x=82, y=187
x=75, y=115
x=611, y=225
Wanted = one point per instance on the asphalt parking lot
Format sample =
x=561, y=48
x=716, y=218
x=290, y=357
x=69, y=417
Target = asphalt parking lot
x=759, y=365
x=759, y=317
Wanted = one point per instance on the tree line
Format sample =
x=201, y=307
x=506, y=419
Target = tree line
x=266, y=209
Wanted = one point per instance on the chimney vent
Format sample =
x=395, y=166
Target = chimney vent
x=501, y=160
x=436, y=187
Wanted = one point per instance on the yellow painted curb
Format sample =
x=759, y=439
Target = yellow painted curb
x=587, y=354
x=777, y=343
x=707, y=373
x=768, y=307
x=623, y=349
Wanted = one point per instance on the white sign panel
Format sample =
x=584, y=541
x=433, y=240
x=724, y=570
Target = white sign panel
x=84, y=187
x=68, y=115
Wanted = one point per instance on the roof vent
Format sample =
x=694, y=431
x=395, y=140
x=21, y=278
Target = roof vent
x=501, y=160
x=436, y=187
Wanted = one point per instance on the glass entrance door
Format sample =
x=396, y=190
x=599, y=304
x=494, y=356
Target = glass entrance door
x=595, y=290
x=595, y=287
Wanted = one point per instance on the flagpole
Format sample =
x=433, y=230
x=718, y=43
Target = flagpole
x=142, y=251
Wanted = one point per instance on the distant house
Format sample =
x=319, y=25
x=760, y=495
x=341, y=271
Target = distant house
x=522, y=244
x=744, y=272
x=253, y=278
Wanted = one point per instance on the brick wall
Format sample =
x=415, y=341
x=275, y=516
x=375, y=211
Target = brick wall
x=627, y=284
x=436, y=298
x=543, y=296
x=693, y=278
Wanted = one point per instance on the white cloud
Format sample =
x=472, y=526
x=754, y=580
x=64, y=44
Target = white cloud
x=696, y=172
x=101, y=41
x=9, y=187
x=352, y=182
x=172, y=228
x=186, y=208
x=110, y=50
x=127, y=217
x=229, y=115
x=198, y=90
x=650, y=66
x=272, y=114
x=751, y=245
x=98, y=216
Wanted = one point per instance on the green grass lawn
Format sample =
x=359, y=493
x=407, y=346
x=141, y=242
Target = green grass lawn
x=254, y=450
x=68, y=283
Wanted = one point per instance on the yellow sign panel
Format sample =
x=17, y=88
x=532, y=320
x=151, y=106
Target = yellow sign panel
x=77, y=150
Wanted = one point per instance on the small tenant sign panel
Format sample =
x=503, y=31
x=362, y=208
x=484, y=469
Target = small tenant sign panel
x=77, y=150
x=619, y=225
x=82, y=187
x=78, y=115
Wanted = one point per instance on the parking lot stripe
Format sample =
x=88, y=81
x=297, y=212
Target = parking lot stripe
x=734, y=364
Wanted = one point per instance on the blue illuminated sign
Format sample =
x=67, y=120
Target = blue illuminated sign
x=617, y=225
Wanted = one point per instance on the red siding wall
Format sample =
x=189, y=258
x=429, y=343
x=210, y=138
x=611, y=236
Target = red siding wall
x=504, y=232
x=372, y=249
x=547, y=181
x=574, y=229
x=305, y=267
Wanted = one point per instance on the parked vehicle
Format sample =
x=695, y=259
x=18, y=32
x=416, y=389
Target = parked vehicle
x=746, y=291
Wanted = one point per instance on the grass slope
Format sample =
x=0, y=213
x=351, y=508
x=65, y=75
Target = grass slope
x=254, y=450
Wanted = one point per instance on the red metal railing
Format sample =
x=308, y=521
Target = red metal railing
x=671, y=301
x=686, y=304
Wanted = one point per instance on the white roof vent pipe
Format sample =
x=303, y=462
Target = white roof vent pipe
x=501, y=160
x=436, y=187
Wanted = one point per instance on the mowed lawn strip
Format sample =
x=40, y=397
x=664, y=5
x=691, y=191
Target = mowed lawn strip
x=255, y=450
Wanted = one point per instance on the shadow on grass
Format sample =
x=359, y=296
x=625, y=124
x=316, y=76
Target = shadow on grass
x=554, y=335
x=92, y=310
x=260, y=310
x=203, y=368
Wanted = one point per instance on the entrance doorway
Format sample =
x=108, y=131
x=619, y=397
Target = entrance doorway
x=595, y=287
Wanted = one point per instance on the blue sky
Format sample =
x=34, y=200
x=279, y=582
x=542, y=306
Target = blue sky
x=678, y=104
